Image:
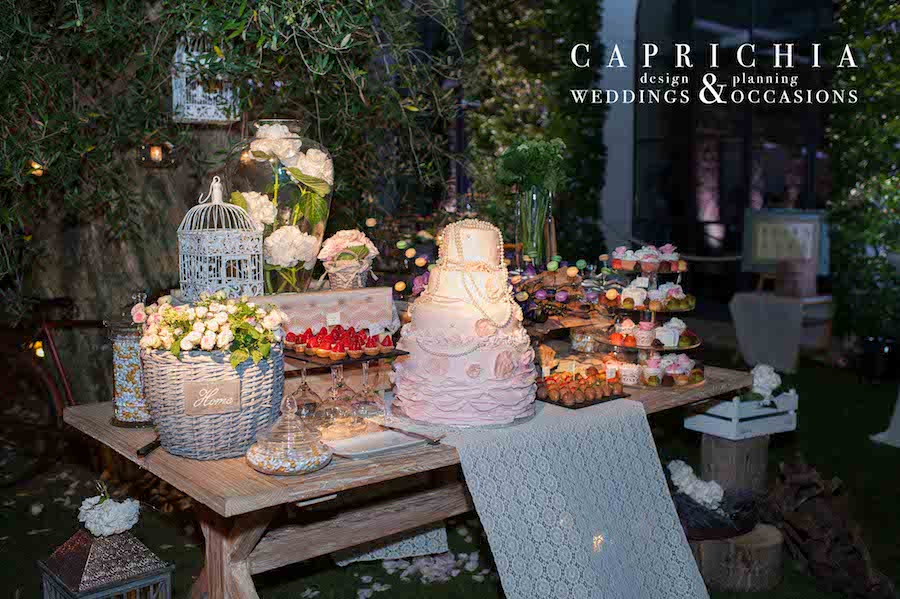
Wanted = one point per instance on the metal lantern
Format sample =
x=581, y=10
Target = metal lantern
x=197, y=101
x=220, y=248
x=89, y=567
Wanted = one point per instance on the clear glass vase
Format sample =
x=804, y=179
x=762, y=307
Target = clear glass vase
x=533, y=209
x=284, y=180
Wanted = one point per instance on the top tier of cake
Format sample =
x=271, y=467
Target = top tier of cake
x=471, y=241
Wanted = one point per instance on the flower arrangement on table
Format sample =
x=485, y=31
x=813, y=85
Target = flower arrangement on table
x=292, y=210
x=213, y=323
x=347, y=257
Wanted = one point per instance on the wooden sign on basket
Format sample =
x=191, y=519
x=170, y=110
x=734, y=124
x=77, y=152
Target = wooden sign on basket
x=212, y=397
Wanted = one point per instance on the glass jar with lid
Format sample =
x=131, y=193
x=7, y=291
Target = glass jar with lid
x=289, y=447
x=129, y=408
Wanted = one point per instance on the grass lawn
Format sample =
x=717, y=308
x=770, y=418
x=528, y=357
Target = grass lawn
x=837, y=416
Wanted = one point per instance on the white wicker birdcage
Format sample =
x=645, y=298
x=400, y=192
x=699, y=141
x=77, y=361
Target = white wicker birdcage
x=195, y=100
x=220, y=248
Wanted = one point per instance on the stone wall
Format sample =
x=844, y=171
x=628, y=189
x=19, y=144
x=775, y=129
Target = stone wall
x=100, y=274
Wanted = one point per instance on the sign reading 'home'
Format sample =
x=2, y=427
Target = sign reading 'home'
x=213, y=397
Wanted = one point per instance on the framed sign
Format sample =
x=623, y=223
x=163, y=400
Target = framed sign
x=771, y=236
x=212, y=397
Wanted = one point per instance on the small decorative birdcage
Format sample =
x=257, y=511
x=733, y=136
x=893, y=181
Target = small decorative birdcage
x=195, y=100
x=220, y=248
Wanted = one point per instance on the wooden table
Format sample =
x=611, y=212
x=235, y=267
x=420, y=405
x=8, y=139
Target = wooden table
x=348, y=503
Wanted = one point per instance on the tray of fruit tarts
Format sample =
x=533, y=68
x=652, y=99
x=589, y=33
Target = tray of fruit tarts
x=335, y=346
x=648, y=259
x=649, y=336
x=667, y=298
x=670, y=370
x=577, y=390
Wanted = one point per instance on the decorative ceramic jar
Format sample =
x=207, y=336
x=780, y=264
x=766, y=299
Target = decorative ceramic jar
x=284, y=181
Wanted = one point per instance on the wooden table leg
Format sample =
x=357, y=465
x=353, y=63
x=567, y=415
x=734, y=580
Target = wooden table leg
x=229, y=542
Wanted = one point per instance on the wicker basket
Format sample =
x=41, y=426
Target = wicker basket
x=211, y=436
x=348, y=274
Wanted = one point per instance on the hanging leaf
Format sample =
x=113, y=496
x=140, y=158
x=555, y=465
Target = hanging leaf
x=317, y=185
x=265, y=349
x=256, y=355
x=238, y=356
x=345, y=41
x=176, y=349
x=260, y=155
x=237, y=198
x=218, y=52
x=314, y=207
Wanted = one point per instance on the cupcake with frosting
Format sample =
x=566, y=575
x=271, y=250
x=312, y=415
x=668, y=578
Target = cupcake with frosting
x=669, y=257
x=630, y=374
x=629, y=260
x=649, y=258
x=652, y=372
x=626, y=327
x=645, y=333
x=677, y=324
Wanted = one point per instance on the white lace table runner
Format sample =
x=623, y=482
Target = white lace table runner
x=575, y=504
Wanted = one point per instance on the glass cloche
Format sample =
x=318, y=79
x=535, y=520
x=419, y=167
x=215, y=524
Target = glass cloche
x=289, y=447
x=284, y=181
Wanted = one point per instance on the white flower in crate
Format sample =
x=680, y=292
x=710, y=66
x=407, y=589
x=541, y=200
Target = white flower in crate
x=260, y=208
x=103, y=516
x=315, y=163
x=765, y=380
x=289, y=246
x=275, y=140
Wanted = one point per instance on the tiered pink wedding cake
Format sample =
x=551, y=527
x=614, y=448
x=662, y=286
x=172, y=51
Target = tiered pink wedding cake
x=470, y=361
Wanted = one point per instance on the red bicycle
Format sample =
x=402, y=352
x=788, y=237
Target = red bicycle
x=37, y=390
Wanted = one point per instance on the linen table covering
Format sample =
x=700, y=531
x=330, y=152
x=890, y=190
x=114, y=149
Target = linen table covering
x=575, y=505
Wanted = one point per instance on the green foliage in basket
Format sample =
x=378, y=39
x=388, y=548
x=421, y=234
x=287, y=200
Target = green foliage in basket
x=213, y=323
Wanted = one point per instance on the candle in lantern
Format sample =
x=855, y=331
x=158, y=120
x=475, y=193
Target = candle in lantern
x=156, y=153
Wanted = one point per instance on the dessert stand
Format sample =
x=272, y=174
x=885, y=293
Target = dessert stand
x=618, y=311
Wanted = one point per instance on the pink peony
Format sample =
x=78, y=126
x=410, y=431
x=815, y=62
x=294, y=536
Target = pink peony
x=667, y=249
x=139, y=316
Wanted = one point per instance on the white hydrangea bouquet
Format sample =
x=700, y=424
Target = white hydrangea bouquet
x=291, y=209
x=212, y=323
x=104, y=516
x=347, y=257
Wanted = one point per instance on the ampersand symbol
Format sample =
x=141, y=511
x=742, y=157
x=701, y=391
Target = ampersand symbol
x=709, y=86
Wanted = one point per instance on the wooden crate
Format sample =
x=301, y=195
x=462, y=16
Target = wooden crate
x=738, y=419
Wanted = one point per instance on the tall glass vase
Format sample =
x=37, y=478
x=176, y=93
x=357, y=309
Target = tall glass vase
x=533, y=209
x=284, y=181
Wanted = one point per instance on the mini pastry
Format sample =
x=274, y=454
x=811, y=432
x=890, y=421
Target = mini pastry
x=354, y=350
x=311, y=347
x=612, y=294
x=290, y=340
x=650, y=264
x=387, y=345
x=645, y=334
x=323, y=348
x=628, y=303
x=338, y=350
x=617, y=264
x=656, y=306
x=630, y=341
x=371, y=348
x=682, y=266
x=629, y=261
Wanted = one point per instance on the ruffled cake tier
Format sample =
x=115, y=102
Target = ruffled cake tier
x=465, y=379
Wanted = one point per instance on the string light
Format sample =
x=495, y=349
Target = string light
x=156, y=153
x=246, y=158
x=410, y=253
x=37, y=169
x=421, y=261
x=38, y=347
x=371, y=222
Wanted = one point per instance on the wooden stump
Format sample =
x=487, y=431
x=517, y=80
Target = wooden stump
x=736, y=465
x=749, y=563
